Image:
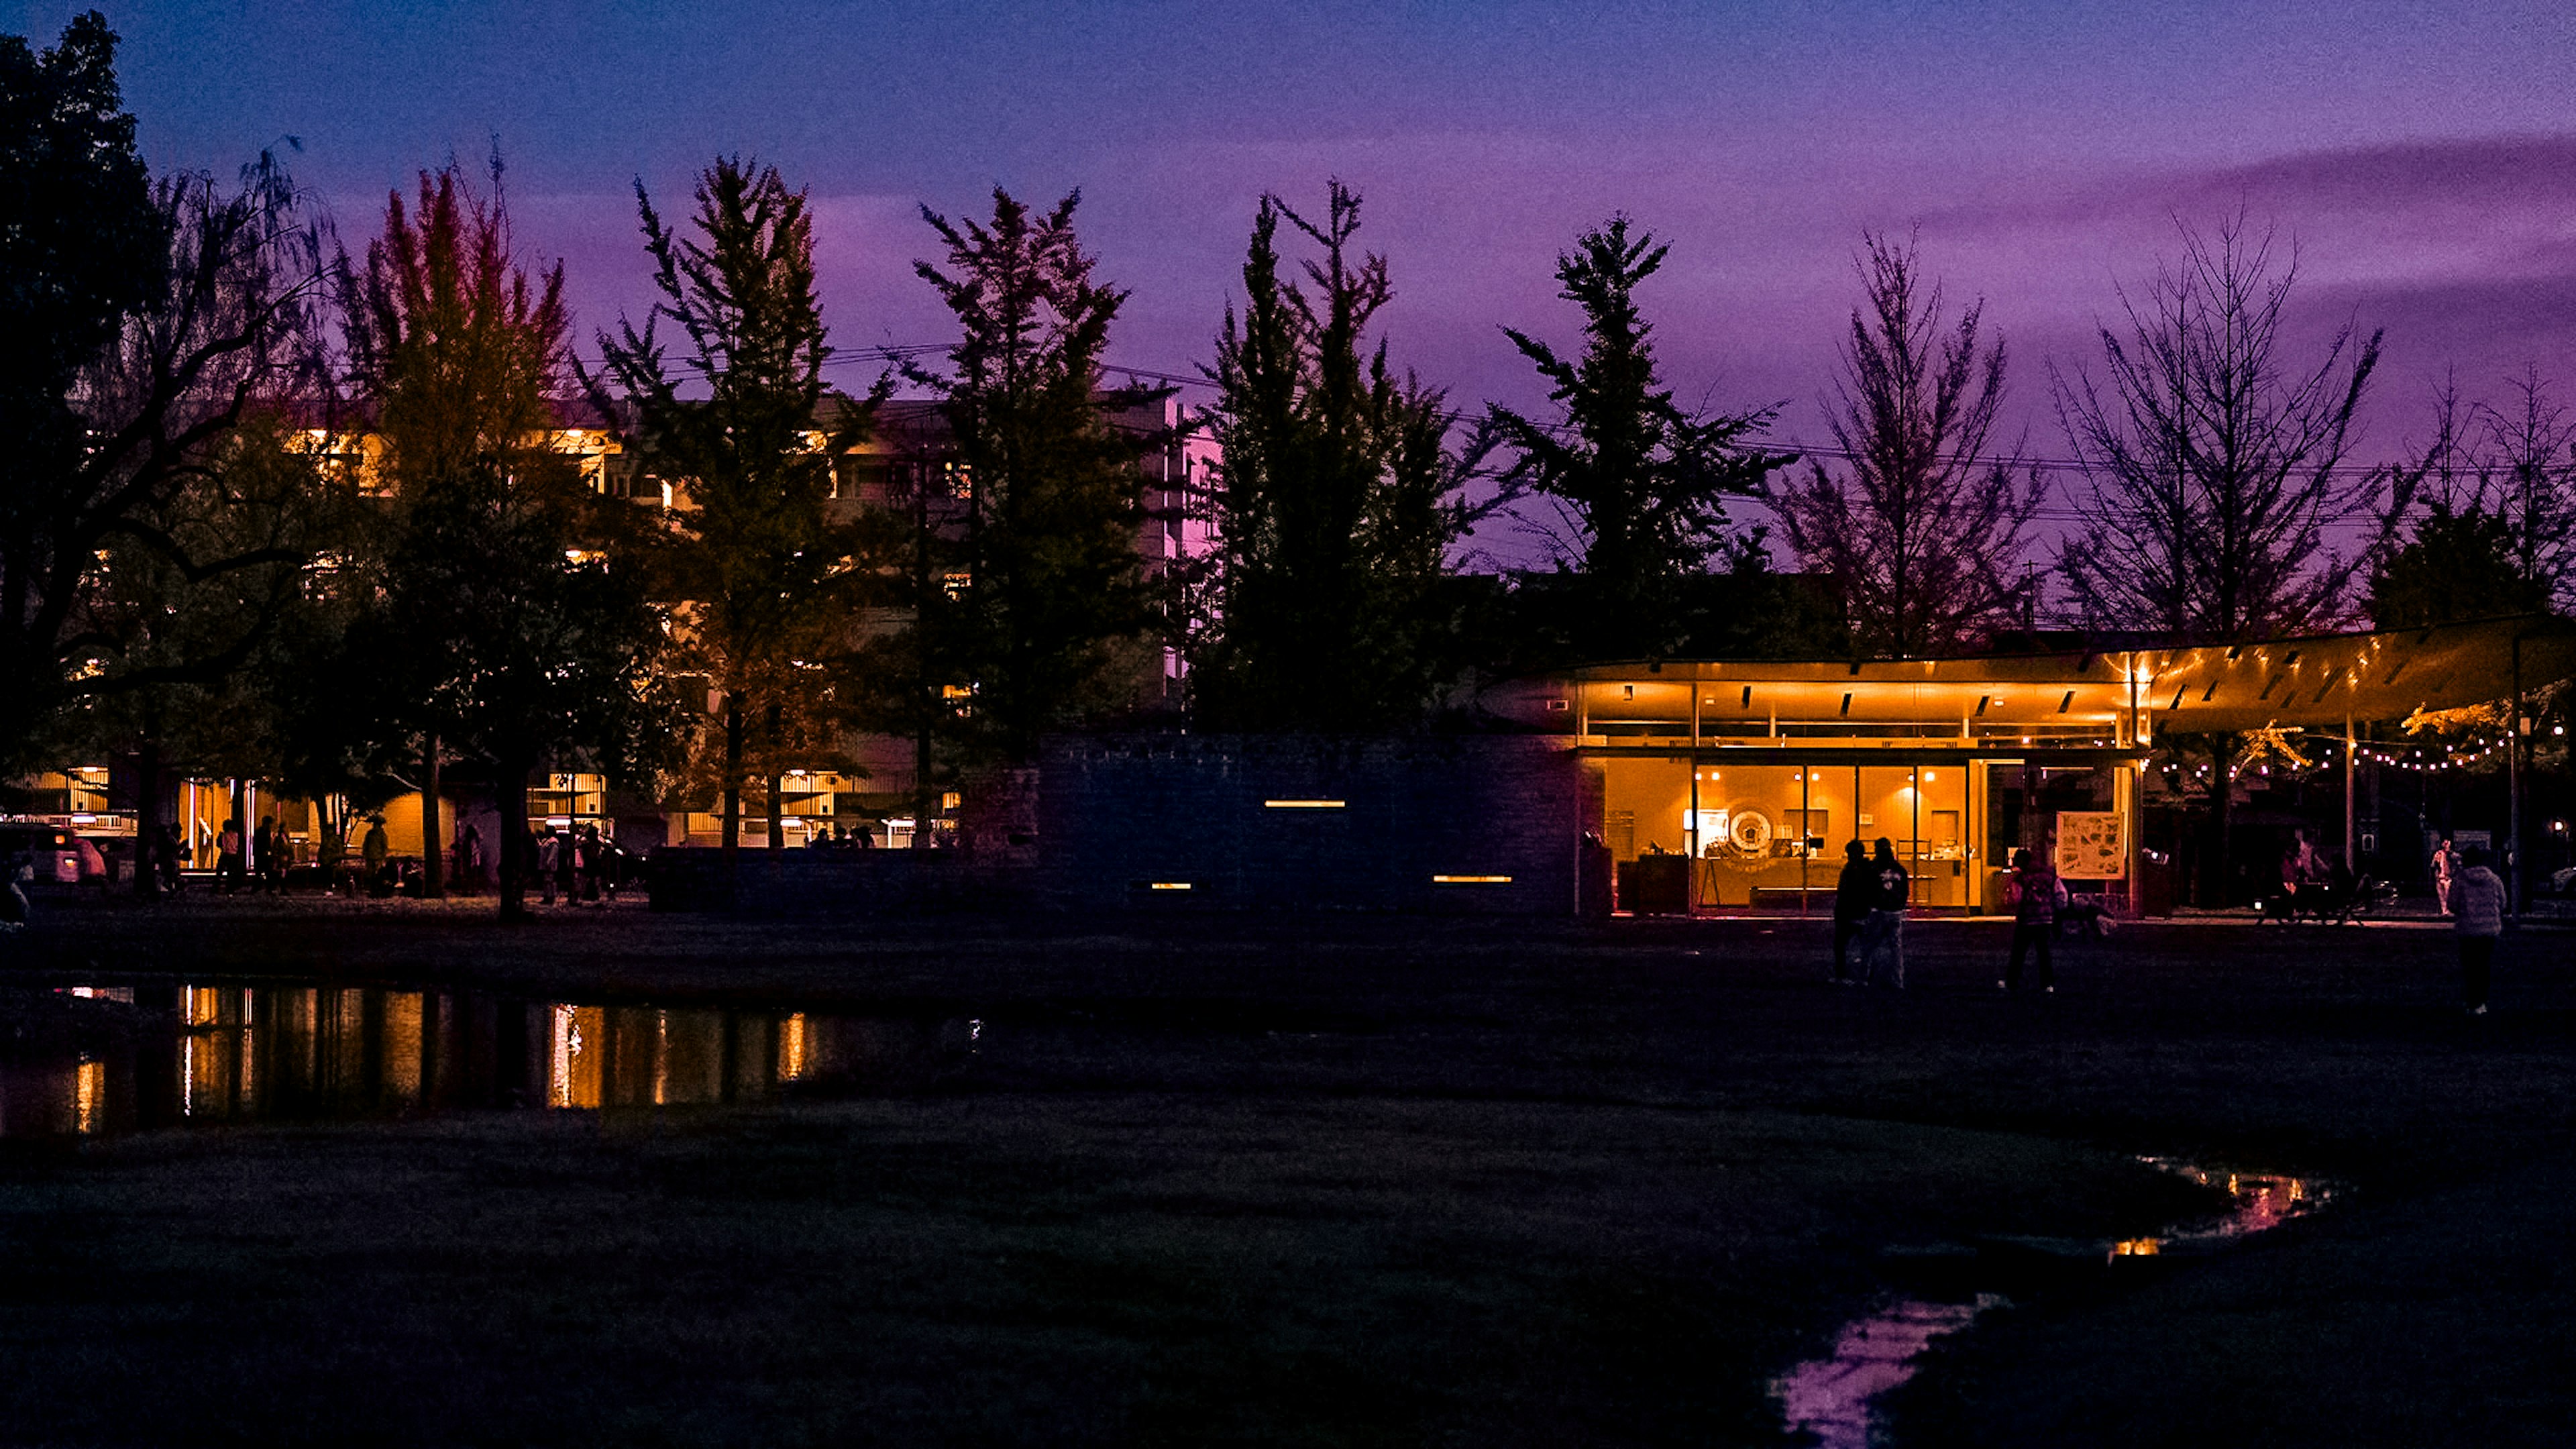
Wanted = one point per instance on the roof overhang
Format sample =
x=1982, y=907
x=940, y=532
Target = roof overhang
x=2318, y=680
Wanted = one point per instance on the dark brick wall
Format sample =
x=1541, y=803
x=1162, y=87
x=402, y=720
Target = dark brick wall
x=1119, y=813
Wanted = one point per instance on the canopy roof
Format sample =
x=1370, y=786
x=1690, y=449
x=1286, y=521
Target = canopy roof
x=2318, y=680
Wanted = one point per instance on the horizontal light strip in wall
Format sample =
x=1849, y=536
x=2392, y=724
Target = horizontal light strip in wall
x=1301, y=804
x=1471, y=880
x=1167, y=885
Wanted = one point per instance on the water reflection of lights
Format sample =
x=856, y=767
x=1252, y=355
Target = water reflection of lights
x=89, y=1096
x=1831, y=1398
x=2256, y=1202
x=791, y=1048
x=306, y=1051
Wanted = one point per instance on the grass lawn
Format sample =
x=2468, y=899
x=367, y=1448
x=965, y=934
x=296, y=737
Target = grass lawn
x=1337, y=1181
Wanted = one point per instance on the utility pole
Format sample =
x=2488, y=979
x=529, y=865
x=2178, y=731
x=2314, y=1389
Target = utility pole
x=2513, y=785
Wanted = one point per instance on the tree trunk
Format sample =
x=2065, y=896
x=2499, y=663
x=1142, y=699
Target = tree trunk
x=511, y=779
x=730, y=843
x=2225, y=773
x=922, y=798
x=147, y=817
x=775, y=808
x=433, y=852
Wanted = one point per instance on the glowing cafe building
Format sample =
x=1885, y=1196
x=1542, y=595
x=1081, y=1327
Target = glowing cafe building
x=1727, y=785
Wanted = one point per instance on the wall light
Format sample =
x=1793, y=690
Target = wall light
x=1301, y=805
x=1471, y=880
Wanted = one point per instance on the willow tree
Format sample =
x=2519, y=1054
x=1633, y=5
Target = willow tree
x=760, y=566
x=1641, y=483
x=1921, y=532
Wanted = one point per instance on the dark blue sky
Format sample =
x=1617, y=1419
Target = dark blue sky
x=2422, y=156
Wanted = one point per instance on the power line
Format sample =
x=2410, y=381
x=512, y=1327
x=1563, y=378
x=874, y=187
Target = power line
x=905, y=351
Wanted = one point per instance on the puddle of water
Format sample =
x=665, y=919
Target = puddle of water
x=224, y=1052
x=2256, y=1202
x=1831, y=1398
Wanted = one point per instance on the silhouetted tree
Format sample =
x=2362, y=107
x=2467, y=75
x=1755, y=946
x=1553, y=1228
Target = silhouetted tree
x=2530, y=460
x=264, y=494
x=2212, y=469
x=515, y=619
x=1921, y=533
x=2458, y=562
x=761, y=569
x=1056, y=603
x=142, y=542
x=1336, y=503
x=1641, y=484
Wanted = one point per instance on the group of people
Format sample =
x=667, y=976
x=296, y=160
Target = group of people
x=256, y=864
x=1870, y=900
x=578, y=863
x=1869, y=916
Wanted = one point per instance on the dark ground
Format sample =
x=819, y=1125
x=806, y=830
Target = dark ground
x=1284, y=1181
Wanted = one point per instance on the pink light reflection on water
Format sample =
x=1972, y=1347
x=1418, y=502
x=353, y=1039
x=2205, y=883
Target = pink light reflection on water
x=1831, y=1398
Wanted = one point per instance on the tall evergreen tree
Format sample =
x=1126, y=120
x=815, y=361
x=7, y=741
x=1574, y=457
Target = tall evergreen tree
x=761, y=566
x=1336, y=504
x=1028, y=604
x=1641, y=484
x=1921, y=533
x=515, y=620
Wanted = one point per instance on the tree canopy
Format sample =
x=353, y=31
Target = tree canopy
x=145, y=321
x=513, y=617
x=1336, y=504
x=2213, y=465
x=1056, y=609
x=1921, y=532
x=759, y=569
x=1640, y=482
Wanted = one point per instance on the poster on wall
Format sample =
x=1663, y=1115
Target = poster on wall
x=2089, y=846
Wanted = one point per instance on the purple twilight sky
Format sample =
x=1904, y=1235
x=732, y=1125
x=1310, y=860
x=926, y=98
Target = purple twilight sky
x=2421, y=157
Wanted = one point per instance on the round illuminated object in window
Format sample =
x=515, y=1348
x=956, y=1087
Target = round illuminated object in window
x=1750, y=831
